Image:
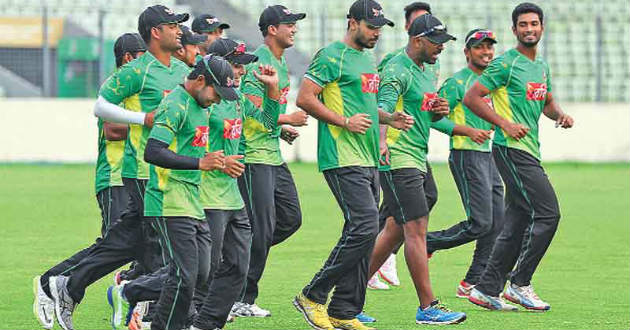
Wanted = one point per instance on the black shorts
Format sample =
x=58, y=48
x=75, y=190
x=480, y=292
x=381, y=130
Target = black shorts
x=403, y=194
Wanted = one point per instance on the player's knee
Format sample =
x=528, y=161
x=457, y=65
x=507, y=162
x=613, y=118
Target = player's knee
x=480, y=228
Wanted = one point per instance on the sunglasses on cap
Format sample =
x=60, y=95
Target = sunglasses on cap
x=240, y=49
x=437, y=28
x=481, y=35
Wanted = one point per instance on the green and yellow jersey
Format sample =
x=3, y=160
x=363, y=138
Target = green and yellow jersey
x=453, y=90
x=140, y=85
x=218, y=190
x=408, y=88
x=109, y=162
x=519, y=88
x=350, y=83
x=261, y=145
x=182, y=124
x=433, y=69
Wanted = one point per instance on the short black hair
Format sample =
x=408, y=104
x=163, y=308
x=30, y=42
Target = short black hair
x=524, y=8
x=418, y=5
x=200, y=70
x=265, y=31
x=119, y=59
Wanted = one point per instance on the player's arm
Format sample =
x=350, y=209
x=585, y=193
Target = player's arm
x=452, y=92
x=389, y=90
x=271, y=110
x=474, y=101
x=552, y=111
x=382, y=145
x=120, y=85
x=114, y=131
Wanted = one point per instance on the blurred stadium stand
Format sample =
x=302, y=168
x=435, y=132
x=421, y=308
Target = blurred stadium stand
x=585, y=40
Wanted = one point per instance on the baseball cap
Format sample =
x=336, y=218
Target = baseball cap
x=129, y=43
x=221, y=76
x=477, y=36
x=278, y=14
x=370, y=11
x=156, y=15
x=232, y=51
x=208, y=23
x=430, y=27
x=191, y=38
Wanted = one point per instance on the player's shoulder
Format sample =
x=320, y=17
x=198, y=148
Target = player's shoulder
x=179, y=65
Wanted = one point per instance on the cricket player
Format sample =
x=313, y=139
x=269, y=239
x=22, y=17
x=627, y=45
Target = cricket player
x=111, y=195
x=340, y=90
x=189, y=53
x=407, y=87
x=519, y=82
x=141, y=85
x=472, y=166
x=209, y=26
x=267, y=185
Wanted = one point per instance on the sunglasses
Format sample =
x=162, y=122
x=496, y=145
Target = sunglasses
x=437, y=28
x=481, y=35
x=206, y=60
x=240, y=49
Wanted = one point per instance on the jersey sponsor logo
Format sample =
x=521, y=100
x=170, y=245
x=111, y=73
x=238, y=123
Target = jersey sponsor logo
x=369, y=82
x=283, y=95
x=201, y=137
x=232, y=128
x=488, y=101
x=165, y=92
x=428, y=101
x=536, y=91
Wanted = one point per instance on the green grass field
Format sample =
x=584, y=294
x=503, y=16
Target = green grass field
x=48, y=212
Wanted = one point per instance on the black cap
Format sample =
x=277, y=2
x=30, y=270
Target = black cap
x=191, y=38
x=430, y=27
x=477, y=36
x=370, y=11
x=155, y=15
x=208, y=23
x=220, y=73
x=278, y=14
x=232, y=51
x=128, y=43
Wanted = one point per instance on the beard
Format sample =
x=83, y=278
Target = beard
x=364, y=42
x=528, y=44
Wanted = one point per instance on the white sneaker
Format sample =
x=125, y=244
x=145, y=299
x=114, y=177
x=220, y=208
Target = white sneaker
x=388, y=271
x=526, y=297
x=493, y=303
x=43, y=306
x=375, y=284
x=247, y=310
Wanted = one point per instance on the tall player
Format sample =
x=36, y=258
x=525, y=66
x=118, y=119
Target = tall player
x=110, y=192
x=472, y=166
x=141, y=85
x=267, y=186
x=520, y=85
x=339, y=90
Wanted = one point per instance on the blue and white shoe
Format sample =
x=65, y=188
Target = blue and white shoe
x=526, y=297
x=493, y=303
x=364, y=318
x=437, y=313
x=121, y=311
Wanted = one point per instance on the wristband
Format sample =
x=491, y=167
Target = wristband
x=346, y=122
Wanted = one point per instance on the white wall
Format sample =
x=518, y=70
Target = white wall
x=61, y=130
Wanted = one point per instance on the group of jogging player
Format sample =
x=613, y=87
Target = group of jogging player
x=194, y=191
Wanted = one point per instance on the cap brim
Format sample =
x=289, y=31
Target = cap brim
x=379, y=21
x=216, y=26
x=195, y=40
x=294, y=18
x=242, y=58
x=475, y=43
x=226, y=93
x=440, y=38
x=179, y=18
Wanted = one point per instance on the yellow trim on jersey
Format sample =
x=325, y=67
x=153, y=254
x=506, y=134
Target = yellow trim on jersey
x=501, y=103
x=392, y=133
x=331, y=95
x=458, y=116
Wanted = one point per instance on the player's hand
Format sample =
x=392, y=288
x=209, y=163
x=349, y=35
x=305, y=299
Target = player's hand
x=383, y=151
x=233, y=167
x=289, y=134
x=564, y=121
x=479, y=136
x=268, y=75
x=358, y=123
x=148, y=119
x=401, y=121
x=440, y=107
x=212, y=161
x=516, y=131
x=298, y=118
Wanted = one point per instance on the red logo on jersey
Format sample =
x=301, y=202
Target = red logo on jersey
x=232, y=128
x=201, y=137
x=283, y=95
x=488, y=102
x=536, y=91
x=369, y=82
x=428, y=101
x=165, y=92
